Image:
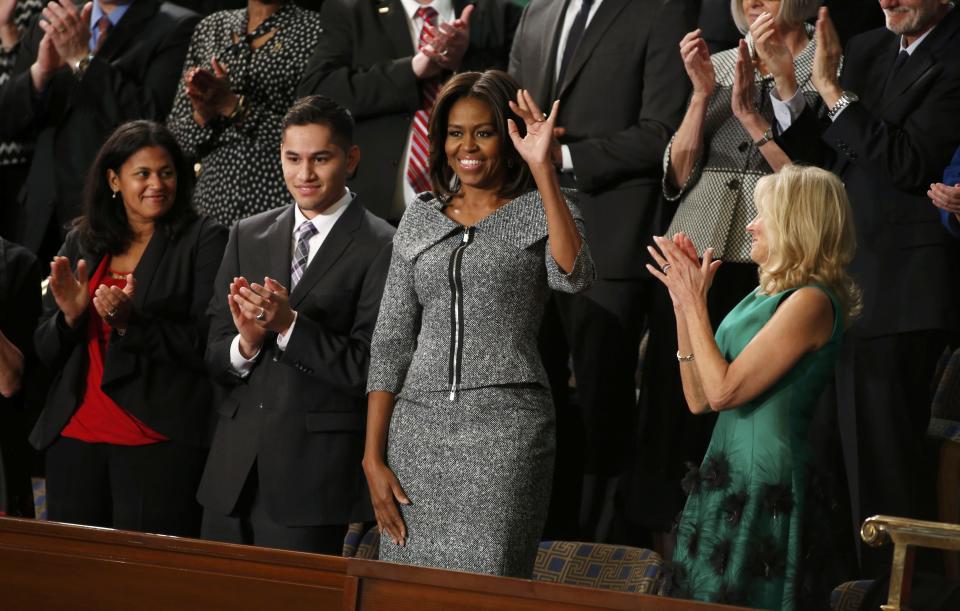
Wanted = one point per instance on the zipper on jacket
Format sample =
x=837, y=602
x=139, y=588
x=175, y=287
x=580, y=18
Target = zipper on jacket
x=456, y=311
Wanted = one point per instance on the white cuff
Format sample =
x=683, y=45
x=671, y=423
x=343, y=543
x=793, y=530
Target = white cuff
x=566, y=165
x=283, y=340
x=786, y=112
x=242, y=366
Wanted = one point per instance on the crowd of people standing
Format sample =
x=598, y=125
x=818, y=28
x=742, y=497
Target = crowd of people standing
x=309, y=264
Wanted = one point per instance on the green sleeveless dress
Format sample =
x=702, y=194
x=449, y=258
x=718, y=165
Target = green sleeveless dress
x=738, y=539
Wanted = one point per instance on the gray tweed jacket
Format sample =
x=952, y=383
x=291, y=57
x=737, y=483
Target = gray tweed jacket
x=463, y=305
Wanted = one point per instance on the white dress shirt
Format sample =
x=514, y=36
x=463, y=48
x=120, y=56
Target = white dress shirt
x=323, y=222
x=787, y=111
x=445, y=13
x=572, y=9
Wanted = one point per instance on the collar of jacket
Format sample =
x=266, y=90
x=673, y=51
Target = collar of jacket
x=519, y=223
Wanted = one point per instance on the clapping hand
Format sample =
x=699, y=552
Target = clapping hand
x=774, y=54
x=687, y=278
x=71, y=292
x=946, y=197
x=450, y=41
x=696, y=61
x=245, y=319
x=539, y=145
x=210, y=93
x=68, y=29
x=743, y=99
x=114, y=304
x=826, y=60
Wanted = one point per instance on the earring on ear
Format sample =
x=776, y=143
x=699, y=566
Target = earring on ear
x=114, y=196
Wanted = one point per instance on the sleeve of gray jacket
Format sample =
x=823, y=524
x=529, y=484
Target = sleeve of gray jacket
x=398, y=325
x=583, y=273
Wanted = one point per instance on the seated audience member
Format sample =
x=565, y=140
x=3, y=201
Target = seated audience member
x=19, y=309
x=485, y=248
x=79, y=73
x=14, y=154
x=239, y=79
x=386, y=61
x=946, y=196
x=123, y=329
x=711, y=167
x=295, y=303
x=892, y=125
x=739, y=539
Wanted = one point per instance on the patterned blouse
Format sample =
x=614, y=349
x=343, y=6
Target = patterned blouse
x=239, y=161
x=716, y=202
x=15, y=153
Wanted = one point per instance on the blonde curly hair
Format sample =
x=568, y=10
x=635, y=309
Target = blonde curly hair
x=812, y=240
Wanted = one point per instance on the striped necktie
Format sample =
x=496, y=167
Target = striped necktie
x=418, y=160
x=304, y=232
x=103, y=27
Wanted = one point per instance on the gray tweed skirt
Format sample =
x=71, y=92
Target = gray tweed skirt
x=478, y=472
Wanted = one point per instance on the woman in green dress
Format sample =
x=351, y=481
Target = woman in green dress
x=739, y=536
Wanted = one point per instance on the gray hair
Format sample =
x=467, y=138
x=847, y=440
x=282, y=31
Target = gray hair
x=792, y=12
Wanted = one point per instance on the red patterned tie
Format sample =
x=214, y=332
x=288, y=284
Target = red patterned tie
x=103, y=26
x=418, y=161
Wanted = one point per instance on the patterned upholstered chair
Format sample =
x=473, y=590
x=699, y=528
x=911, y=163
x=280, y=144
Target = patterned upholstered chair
x=598, y=565
x=352, y=539
x=848, y=596
x=369, y=546
x=39, y=497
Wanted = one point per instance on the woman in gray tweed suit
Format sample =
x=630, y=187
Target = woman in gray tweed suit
x=454, y=369
x=723, y=146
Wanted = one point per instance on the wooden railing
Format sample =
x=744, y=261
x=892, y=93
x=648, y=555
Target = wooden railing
x=51, y=566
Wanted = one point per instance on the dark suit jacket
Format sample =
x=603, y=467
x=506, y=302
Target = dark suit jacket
x=363, y=61
x=888, y=148
x=951, y=177
x=156, y=370
x=623, y=97
x=134, y=76
x=301, y=413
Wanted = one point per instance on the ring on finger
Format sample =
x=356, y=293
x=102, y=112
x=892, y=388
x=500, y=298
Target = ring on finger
x=262, y=315
x=112, y=314
x=665, y=267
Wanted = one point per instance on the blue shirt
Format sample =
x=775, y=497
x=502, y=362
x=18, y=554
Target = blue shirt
x=114, y=17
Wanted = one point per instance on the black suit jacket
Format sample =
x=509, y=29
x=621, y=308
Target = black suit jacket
x=363, y=61
x=134, y=76
x=888, y=148
x=300, y=413
x=156, y=370
x=623, y=97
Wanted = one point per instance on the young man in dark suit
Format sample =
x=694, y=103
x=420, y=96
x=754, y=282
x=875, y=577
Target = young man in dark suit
x=615, y=68
x=79, y=73
x=385, y=61
x=294, y=307
x=891, y=128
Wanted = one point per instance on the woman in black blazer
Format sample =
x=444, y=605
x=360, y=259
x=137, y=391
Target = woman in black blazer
x=123, y=331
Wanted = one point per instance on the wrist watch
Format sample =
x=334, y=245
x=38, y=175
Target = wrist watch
x=846, y=99
x=766, y=137
x=80, y=66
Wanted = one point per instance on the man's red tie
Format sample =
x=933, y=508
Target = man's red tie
x=103, y=26
x=418, y=161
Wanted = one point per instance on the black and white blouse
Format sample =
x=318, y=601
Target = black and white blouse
x=15, y=153
x=239, y=161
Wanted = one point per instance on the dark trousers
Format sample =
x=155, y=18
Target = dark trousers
x=149, y=488
x=11, y=181
x=251, y=524
x=884, y=391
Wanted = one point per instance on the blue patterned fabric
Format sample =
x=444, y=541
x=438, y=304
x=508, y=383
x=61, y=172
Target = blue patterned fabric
x=598, y=565
x=849, y=596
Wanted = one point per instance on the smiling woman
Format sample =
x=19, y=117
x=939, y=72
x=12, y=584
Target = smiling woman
x=455, y=374
x=123, y=331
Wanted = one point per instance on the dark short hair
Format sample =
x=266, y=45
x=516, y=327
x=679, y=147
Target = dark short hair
x=103, y=227
x=321, y=110
x=496, y=88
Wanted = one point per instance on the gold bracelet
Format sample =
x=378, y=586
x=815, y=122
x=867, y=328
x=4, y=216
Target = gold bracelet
x=684, y=358
x=238, y=110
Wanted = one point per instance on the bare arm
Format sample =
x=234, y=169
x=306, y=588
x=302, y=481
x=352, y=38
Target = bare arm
x=803, y=323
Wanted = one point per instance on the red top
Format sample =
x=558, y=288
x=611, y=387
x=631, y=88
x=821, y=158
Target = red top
x=99, y=419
